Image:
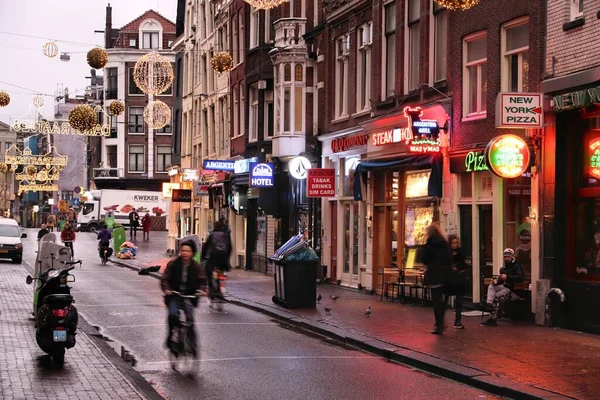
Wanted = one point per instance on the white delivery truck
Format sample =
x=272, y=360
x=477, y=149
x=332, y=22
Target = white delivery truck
x=120, y=203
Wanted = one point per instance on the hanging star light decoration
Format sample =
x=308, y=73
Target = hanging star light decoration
x=458, y=5
x=153, y=73
x=83, y=118
x=50, y=49
x=265, y=4
x=116, y=108
x=97, y=58
x=157, y=114
x=4, y=99
x=222, y=62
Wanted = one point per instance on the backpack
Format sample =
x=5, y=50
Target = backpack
x=219, y=244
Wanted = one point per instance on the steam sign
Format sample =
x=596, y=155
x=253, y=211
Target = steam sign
x=508, y=156
x=261, y=175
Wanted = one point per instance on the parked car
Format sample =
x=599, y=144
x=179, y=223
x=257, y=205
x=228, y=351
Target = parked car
x=10, y=240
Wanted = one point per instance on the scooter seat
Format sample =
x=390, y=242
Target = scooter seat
x=59, y=298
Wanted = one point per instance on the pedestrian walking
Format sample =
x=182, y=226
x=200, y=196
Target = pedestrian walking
x=146, y=223
x=50, y=222
x=42, y=232
x=67, y=236
x=438, y=259
x=458, y=279
x=134, y=223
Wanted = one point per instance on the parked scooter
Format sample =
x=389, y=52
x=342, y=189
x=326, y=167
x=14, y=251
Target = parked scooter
x=56, y=317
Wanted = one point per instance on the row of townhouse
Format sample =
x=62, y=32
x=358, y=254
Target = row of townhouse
x=344, y=85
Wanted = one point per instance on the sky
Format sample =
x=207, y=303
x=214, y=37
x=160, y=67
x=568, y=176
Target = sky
x=22, y=62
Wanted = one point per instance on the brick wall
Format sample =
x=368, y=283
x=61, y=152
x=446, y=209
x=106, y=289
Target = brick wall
x=575, y=49
x=490, y=16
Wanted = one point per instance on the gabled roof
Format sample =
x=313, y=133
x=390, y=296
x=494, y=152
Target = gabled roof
x=134, y=26
x=3, y=125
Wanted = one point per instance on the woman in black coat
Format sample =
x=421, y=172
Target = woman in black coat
x=438, y=259
x=458, y=278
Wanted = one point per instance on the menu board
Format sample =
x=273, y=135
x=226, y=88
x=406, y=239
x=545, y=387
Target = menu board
x=416, y=222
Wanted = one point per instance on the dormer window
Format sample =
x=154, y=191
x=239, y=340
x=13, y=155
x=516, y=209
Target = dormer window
x=150, y=40
x=151, y=35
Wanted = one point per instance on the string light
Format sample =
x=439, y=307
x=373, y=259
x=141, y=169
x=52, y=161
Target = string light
x=265, y=4
x=97, y=58
x=4, y=99
x=157, y=114
x=153, y=73
x=222, y=62
x=457, y=5
x=83, y=118
x=50, y=49
x=116, y=108
x=3, y=167
x=38, y=101
x=31, y=170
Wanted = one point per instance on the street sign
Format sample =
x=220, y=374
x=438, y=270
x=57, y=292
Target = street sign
x=201, y=188
x=519, y=110
x=168, y=187
x=262, y=175
x=321, y=182
x=182, y=196
x=76, y=203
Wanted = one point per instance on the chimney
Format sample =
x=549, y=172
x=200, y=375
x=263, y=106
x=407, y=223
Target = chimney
x=108, y=28
x=179, y=22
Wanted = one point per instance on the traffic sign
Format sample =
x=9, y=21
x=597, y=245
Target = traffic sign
x=519, y=110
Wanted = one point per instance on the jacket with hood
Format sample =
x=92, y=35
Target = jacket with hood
x=514, y=273
x=437, y=256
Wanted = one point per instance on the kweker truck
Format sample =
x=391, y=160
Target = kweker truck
x=120, y=203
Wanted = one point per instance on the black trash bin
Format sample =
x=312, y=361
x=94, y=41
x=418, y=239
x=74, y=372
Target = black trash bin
x=295, y=283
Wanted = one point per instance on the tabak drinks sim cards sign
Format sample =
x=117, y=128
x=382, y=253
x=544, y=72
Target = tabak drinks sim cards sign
x=321, y=182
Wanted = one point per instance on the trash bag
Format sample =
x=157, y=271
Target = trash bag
x=305, y=253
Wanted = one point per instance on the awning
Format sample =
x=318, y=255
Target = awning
x=421, y=161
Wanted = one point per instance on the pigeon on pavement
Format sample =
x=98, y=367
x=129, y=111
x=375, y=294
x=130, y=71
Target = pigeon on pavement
x=334, y=298
x=319, y=298
x=327, y=310
x=368, y=312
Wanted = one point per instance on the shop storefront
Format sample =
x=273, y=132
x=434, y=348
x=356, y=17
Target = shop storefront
x=400, y=180
x=572, y=196
x=343, y=219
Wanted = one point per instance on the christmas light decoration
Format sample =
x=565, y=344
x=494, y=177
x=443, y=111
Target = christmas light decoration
x=15, y=157
x=153, y=73
x=4, y=99
x=222, y=62
x=83, y=118
x=116, y=108
x=457, y=5
x=38, y=101
x=31, y=170
x=97, y=58
x=265, y=4
x=3, y=167
x=157, y=114
x=50, y=49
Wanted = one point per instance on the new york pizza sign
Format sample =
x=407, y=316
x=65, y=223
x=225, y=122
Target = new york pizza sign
x=321, y=182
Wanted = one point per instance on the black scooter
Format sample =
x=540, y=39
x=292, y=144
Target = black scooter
x=56, y=317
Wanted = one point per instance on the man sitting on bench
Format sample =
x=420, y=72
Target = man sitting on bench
x=501, y=290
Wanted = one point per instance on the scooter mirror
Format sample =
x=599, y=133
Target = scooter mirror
x=29, y=279
x=70, y=278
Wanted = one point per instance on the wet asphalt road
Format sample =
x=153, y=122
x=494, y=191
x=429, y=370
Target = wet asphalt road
x=244, y=354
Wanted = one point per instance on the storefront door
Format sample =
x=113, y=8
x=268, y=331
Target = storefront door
x=466, y=244
x=486, y=252
x=351, y=237
x=333, y=242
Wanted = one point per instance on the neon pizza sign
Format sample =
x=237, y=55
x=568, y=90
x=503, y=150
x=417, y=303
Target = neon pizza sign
x=594, y=156
x=508, y=156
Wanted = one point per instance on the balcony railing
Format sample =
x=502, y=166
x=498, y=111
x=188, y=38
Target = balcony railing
x=108, y=173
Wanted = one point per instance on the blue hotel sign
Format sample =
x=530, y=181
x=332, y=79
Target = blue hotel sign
x=261, y=175
x=218, y=165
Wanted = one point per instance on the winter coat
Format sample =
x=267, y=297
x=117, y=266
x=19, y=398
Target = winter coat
x=458, y=278
x=42, y=232
x=67, y=235
x=438, y=259
x=514, y=273
x=146, y=221
x=171, y=278
x=218, y=261
x=104, y=236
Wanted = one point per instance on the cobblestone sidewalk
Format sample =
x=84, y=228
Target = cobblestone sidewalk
x=25, y=371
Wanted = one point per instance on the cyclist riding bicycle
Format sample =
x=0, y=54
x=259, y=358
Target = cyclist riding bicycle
x=104, y=237
x=183, y=275
x=216, y=252
x=67, y=236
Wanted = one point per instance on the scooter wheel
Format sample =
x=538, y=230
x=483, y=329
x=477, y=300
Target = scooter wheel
x=59, y=358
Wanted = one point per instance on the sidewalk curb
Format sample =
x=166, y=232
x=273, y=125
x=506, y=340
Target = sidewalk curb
x=135, y=379
x=470, y=376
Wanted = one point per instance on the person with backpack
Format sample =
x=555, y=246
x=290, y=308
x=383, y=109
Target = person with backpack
x=216, y=252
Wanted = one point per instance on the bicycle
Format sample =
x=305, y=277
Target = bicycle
x=105, y=252
x=184, y=345
x=217, y=289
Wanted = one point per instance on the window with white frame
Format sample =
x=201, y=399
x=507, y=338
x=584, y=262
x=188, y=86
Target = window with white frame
x=413, y=45
x=150, y=40
x=223, y=121
x=205, y=131
x=213, y=124
x=241, y=36
x=242, y=108
x=133, y=42
x=253, y=123
x=515, y=56
x=363, y=76
x=267, y=26
x=440, y=41
x=136, y=120
x=576, y=9
x=204, y=74
x=204, y=25
x=134, y=90
x=389, y=66
x=167, y=129
x=254, y=27
x=269, y=114
x=163, y=158
x=475, y=75
x=341, y=75
x=298, y=99
x=136, y=158
x=235, y=52
x=236, y=112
